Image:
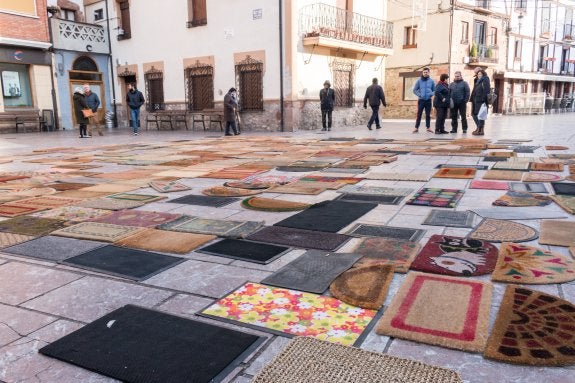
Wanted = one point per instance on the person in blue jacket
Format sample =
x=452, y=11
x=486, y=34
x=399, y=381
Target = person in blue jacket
x=424, y=89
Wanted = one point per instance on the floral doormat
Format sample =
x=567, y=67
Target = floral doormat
x=385, y=251
x=517, y=198
x=168, y=186
x=500, y=230
x=364, y=287
x=492, y=185
x=445, y=311
x=567, y=202
x=455, y=173
x=290, y=312
x=273, y=205
x=138, y=218
x=533, y=328
x=531, y=265
x=436, y=197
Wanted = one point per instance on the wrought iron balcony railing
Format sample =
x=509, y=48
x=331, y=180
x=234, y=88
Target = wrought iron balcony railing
x=328, y=21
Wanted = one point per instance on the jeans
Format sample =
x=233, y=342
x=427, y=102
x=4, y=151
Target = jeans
x=232, y=125
x=135, y=118
x=460, y=108
x=374, y=116
x=421, y=105
x=440, y=119
x=324, y=114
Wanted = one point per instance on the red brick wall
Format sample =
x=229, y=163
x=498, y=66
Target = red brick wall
x=26, y=28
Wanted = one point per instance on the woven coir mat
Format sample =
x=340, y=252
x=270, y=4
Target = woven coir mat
x=499, y=230
x=365, y=287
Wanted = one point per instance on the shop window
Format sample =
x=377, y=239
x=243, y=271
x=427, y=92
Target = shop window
x=15, y=85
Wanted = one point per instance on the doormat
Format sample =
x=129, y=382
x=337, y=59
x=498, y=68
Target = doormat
x=224, y=191
x=123, y=262
x=440, y=310
x=566, y=202
x=219, y=227
x=8, y=210
x=547, y=167
x=385, y=251
x=512, y=175
x=11, y=239
x=477, y=167
x=521, y=199
x=273, y=205
x=298, y=188
x=245, y=250
x=327, y=216
x=109, y=204
x=364, y=287
x=499, y=230
x=491, y=185
x=436, y=197
x=305, y=239
x=289, y=313
x=110, y=188
x=139, y=218
x=53, y=249
x=232, y=173
x=307, y=360
x=168, y=186
x=557, y=233
x=146, y=198
x=165, y=241
x=298, y=168
x=525, y=148
x=312, y=272
x=343, y=170
x=519, y=213
x=525, y=330
x=105, y=232
x=379, y=199
x=556, y=147
x=455, y=173
x=563, y=188
x=47, y=202
x=136, y=344
x=494, y=159
x=33, y=226
x=375, y=190
x=511, y=165
x=462, y=257
x=541, y=177
x=531, y=265
x=533, y=187
x=202, y=200
x=73, y=213
x=320, y=178
x=403, y=233
x=450, y=218
x=501, y=154
x=339, y=139
x=423, y=177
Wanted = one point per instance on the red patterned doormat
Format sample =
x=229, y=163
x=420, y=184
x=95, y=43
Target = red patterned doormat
x=455, y=173
x=445, y=311
x=533, y=328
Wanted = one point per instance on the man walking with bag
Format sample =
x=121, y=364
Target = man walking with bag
x=460, y=91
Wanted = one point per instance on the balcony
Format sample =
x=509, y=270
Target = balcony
x=79, y=37
x=486, y=54
x=333, y=27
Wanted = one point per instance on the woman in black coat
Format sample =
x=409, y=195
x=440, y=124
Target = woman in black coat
x=441, y=103
x=479, y=97
x=79, y=105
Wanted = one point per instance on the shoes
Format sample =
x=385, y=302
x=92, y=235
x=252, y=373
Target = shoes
x=135, y=133
x=429, y=130
x=324, y=129
x=81, y=136
x=378, y=127
x=453, y=131
x=464, y=131
x=415, y=131
x=329, y=129
x=237, y=134
x=443, y=132
x=88, y=136
x=369, y=127
x=228, y=134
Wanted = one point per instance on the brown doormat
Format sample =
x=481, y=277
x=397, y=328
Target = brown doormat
x=309, y=360
x=512, y=175
x=566, y=202
x=165, y=241
x=364, y=287
x=297, y=188
x=33, y=226
x=556, y=147
x=558, y=233
x=385, y=251
x=547, y=167
x=455, y=173
x=446, y=311
x=533, y=328
x=224, y=191
x=10, y=239
x=528, y=264
x=501, y=230
x=273, y=205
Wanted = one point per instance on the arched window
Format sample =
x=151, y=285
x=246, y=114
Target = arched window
x=85, y=63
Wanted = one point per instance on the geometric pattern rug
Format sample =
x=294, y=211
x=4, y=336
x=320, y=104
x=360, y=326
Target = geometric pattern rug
x=436, y=197
x=498, y=230
x=165, y=241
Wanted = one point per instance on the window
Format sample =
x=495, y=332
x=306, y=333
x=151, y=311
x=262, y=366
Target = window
x=68, y=14
x=564, y=63
x=482, y=3
x=479, y=32
x=546, y=19
x=15, y=85
x=197, y=13
x=200, y=87
x=343, y=84
x=154, y=90
x=98, y=14
x=249, y=77
x=542, y=55
x=125, y=20
x=517, y=50
x=492, y=36
x=464, y=32
x=520, y=4
x=409, y=37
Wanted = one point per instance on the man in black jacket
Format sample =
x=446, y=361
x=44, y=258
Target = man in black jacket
x=135, y=100
x=459, y=91
x=374, y=93
x=326, y=101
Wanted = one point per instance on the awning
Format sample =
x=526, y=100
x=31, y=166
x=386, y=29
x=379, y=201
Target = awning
x=538, y=77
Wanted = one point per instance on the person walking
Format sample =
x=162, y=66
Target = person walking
x=460, y=92
x=79, y=105
x=93, y=102
x=326, y=101
x=135, y=100
x=441, y=103
x=478, y=97
x=424, y=89
x=230, y=107
x=374, y=93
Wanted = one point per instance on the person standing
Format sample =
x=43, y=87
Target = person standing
x=441, y=103
x=135, y=100
x=424, y=89
x=459, y=91
x=93, y=102
x=374, y=93
x=79, y=105
x=478, y=97
x=230, y=107
x=327, y=101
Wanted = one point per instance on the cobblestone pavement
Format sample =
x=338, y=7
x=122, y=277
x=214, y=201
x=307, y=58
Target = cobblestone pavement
x=42, y=301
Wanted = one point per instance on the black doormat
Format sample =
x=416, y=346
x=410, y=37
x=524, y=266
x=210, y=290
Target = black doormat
x=312, y=272
x=478, y=167
x=328, y=216
x=305, y=239
x=245, y=250
x=297, y=169
x=403, y=233
x=450, y=218
x=563, y=188
x=379, y=199
x=123, y=262
x=134, y=344
x=494, y=159
x=203, y=200
x=531, y=187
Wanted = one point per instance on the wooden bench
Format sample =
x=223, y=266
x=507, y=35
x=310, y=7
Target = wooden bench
x=214, y=116
x=21, y=121
x=170, y=117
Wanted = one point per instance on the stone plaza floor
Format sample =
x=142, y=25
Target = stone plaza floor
x=41, y=301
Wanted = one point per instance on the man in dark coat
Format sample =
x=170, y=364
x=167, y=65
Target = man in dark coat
x=93, y=102
x=230, y=107
x=135, y=100
x=79, y=105
x=478, y=97
x=374, y=93
x=441, y=103
x=459, y=91
x=326, y=101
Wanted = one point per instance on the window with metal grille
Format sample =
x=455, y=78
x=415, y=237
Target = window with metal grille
x=343, y=83
x=249, y=77
x=199, y=87
x=197, y=13
x=125, y=20
x=154, y=90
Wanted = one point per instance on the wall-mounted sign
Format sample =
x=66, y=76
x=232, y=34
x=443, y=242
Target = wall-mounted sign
x=11, y=84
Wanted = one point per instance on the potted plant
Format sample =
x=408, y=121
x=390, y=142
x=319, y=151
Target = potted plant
x=473, y=51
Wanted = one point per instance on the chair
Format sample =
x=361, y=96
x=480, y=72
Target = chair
x=181, y=117
x=216, y=118
x=151, y=117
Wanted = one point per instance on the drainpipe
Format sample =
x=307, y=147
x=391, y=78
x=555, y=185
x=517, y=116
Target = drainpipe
x=450, y=38
x=111, y=64
x=281, y=47
x=53, y=90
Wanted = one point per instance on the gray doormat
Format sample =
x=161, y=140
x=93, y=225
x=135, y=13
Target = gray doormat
x=313, y=272
x=450, y=218
x=202, y=200
x=525, y=148
x=520, y=213
x=219, y=227
x=305, y=239
x=531, y=187
x=379, y=199
x=402, y=233
x=478, y=167
x=52, y=248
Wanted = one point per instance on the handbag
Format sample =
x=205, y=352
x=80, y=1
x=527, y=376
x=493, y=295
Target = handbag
x=87, y=113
